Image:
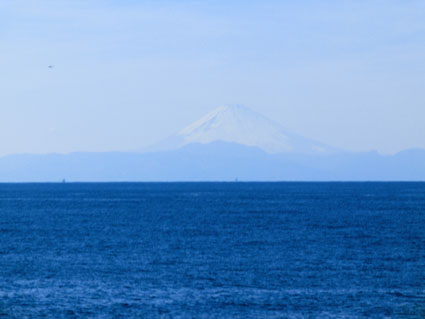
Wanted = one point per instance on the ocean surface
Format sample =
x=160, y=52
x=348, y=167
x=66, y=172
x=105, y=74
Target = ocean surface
x=212, y=250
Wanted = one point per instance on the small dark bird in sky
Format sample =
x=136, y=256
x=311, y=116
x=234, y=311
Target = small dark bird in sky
x=50, y=66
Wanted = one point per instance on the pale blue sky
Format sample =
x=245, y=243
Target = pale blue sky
x=128, y=73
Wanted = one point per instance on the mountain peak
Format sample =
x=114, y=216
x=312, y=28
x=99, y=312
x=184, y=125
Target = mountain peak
x=227, y=114
x=239, y=124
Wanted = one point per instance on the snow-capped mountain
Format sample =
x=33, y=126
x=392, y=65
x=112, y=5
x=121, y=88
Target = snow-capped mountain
x=239, y=124
x=228, y=143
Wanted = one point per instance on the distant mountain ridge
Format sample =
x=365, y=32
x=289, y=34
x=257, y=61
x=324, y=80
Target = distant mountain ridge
x=216, y=161
x=229, y=143
x=239, y=124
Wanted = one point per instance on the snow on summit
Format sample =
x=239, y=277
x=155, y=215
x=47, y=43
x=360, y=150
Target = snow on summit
x=239, y=124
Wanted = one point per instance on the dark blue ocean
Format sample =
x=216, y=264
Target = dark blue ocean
x=212, y=250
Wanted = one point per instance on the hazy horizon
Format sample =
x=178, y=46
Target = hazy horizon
x=126, y=74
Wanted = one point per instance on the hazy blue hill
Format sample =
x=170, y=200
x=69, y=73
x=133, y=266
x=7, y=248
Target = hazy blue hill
x=214, y=161
x=228, y=161
x=408, y=165
x=217, y=161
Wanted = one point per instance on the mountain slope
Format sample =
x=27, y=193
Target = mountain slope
x=239, y=124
